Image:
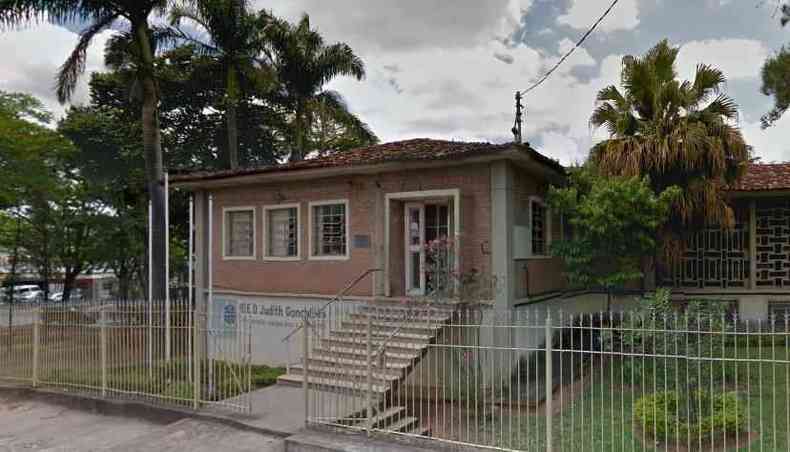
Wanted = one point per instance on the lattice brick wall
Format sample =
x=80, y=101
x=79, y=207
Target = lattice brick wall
x=773, y=244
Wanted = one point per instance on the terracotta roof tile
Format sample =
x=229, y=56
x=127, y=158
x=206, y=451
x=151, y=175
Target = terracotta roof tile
x=762, y=177
x=420, y=149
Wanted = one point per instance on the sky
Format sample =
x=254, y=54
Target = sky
x=449, y=69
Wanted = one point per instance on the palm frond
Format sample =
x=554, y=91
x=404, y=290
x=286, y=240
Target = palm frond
x=70, y=71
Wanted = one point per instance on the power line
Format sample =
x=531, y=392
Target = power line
x=573, y=49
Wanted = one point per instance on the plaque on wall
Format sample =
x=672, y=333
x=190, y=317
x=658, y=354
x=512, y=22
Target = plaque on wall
x=361, y=241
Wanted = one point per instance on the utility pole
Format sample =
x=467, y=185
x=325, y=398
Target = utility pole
x=519, y=115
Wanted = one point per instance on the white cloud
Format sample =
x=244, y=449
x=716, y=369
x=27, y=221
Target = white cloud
x=406, y=24
x=737, y=58
x=771, y=144
x=31, y=58
x=583, y=13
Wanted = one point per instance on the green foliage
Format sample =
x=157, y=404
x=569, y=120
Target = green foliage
x=676, y=132
x=776, y=83
x=614, y=223
x=23, y=106
x=657, y=328
x=663, y=415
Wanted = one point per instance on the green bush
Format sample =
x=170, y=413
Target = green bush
x=664, y=415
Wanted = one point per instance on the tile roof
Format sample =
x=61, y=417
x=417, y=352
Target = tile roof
x=420, y=149
x=765, y=176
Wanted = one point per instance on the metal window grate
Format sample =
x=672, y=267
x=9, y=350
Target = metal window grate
x=240, y=235
x=283, y=233
x=329, y=230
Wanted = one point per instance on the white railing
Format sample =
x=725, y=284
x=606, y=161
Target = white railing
x=534, y=381
x=121, y=352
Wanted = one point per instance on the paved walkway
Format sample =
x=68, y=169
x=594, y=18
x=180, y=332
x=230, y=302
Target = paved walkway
x=41, y=422
x=280, y=408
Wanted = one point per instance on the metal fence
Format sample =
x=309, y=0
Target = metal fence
x=132, y=351
x=528, y=380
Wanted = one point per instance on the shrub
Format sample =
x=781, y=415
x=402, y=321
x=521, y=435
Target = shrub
x=664, y=415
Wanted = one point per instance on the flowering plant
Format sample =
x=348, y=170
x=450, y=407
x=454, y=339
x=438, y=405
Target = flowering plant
x=444, y=283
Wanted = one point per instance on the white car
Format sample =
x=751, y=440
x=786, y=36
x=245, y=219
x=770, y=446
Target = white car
x=74, y=296
x=29, y=293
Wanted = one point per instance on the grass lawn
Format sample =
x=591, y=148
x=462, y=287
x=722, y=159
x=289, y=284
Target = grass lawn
x=600, y=417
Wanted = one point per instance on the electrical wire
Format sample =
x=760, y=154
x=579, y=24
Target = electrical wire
x=573, y=49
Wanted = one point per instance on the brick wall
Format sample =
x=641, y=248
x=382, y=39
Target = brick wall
x=307, y=276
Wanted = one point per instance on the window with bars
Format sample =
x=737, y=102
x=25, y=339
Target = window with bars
x=539, y=228
x=329, y=230
x=240, y=233
x=282, y=234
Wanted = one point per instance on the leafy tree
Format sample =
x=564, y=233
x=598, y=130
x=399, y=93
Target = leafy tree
x=776, y=83
x=235, y=40
x=100, y=15
x=614, y=222
x=303, y=64
x=677, y=133
x=776, y=79
x=23, y=106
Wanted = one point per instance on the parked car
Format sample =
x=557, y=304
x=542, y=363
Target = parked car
x=28, y=293
x=75, y=296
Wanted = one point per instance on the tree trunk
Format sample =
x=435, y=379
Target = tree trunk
x=231, y=117
x=301, y=134
x=152, y=150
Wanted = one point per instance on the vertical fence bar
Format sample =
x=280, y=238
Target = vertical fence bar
x=306, y=368
x=549, y=377
x=36, y=345
x=369, y=373
x=197, y=342
x=103, y=350
x=168, y=339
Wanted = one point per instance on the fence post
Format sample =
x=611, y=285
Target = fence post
x=549, y=384
x=306, y=368
x=196, y=348
x=36, y=345
x=369, y=395
x=103, y=348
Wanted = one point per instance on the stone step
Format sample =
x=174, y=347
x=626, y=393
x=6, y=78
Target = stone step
x=351, y=374
x=297, y=380
x=384, y=417
x=392, y=361
x=402, y=425
x=402, y=336
x=409, y=327
x=394, y=345
x=390, y=316
x=358, y=365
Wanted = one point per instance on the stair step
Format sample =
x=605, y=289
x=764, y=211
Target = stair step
x=391, y=362
x=344, y=372
x=403, y=425
x=294, y=379
x=421, y=327
x=357, y=345
x=360, y=366
x=362, y=334
x=386, y=415
x=392, y=316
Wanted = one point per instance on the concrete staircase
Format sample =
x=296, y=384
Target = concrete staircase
x=338, y=361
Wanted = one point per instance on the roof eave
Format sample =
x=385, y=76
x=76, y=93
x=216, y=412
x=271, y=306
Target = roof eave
x=527, y=159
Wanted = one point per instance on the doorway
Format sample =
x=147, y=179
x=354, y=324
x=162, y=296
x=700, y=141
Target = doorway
x=425, y=223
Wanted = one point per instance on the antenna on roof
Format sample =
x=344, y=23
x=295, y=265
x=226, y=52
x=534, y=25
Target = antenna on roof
x=517, y=137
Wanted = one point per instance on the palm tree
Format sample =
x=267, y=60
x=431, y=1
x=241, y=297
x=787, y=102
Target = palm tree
x=100, y=15
x=303, y=64
x=235, y=39
x=676, y=132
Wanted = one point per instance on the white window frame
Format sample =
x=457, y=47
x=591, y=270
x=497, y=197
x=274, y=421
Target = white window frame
x=225, y=230
x=310, y=221
x=546, y=231
x=265, y=252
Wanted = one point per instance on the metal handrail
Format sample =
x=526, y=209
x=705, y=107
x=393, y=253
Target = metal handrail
x=336, y=298
x=379, y=353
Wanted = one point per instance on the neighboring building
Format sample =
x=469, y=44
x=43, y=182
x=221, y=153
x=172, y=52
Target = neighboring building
x=287, y=238
x=749, y=264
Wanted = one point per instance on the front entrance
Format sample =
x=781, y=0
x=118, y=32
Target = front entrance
x=425, y=223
